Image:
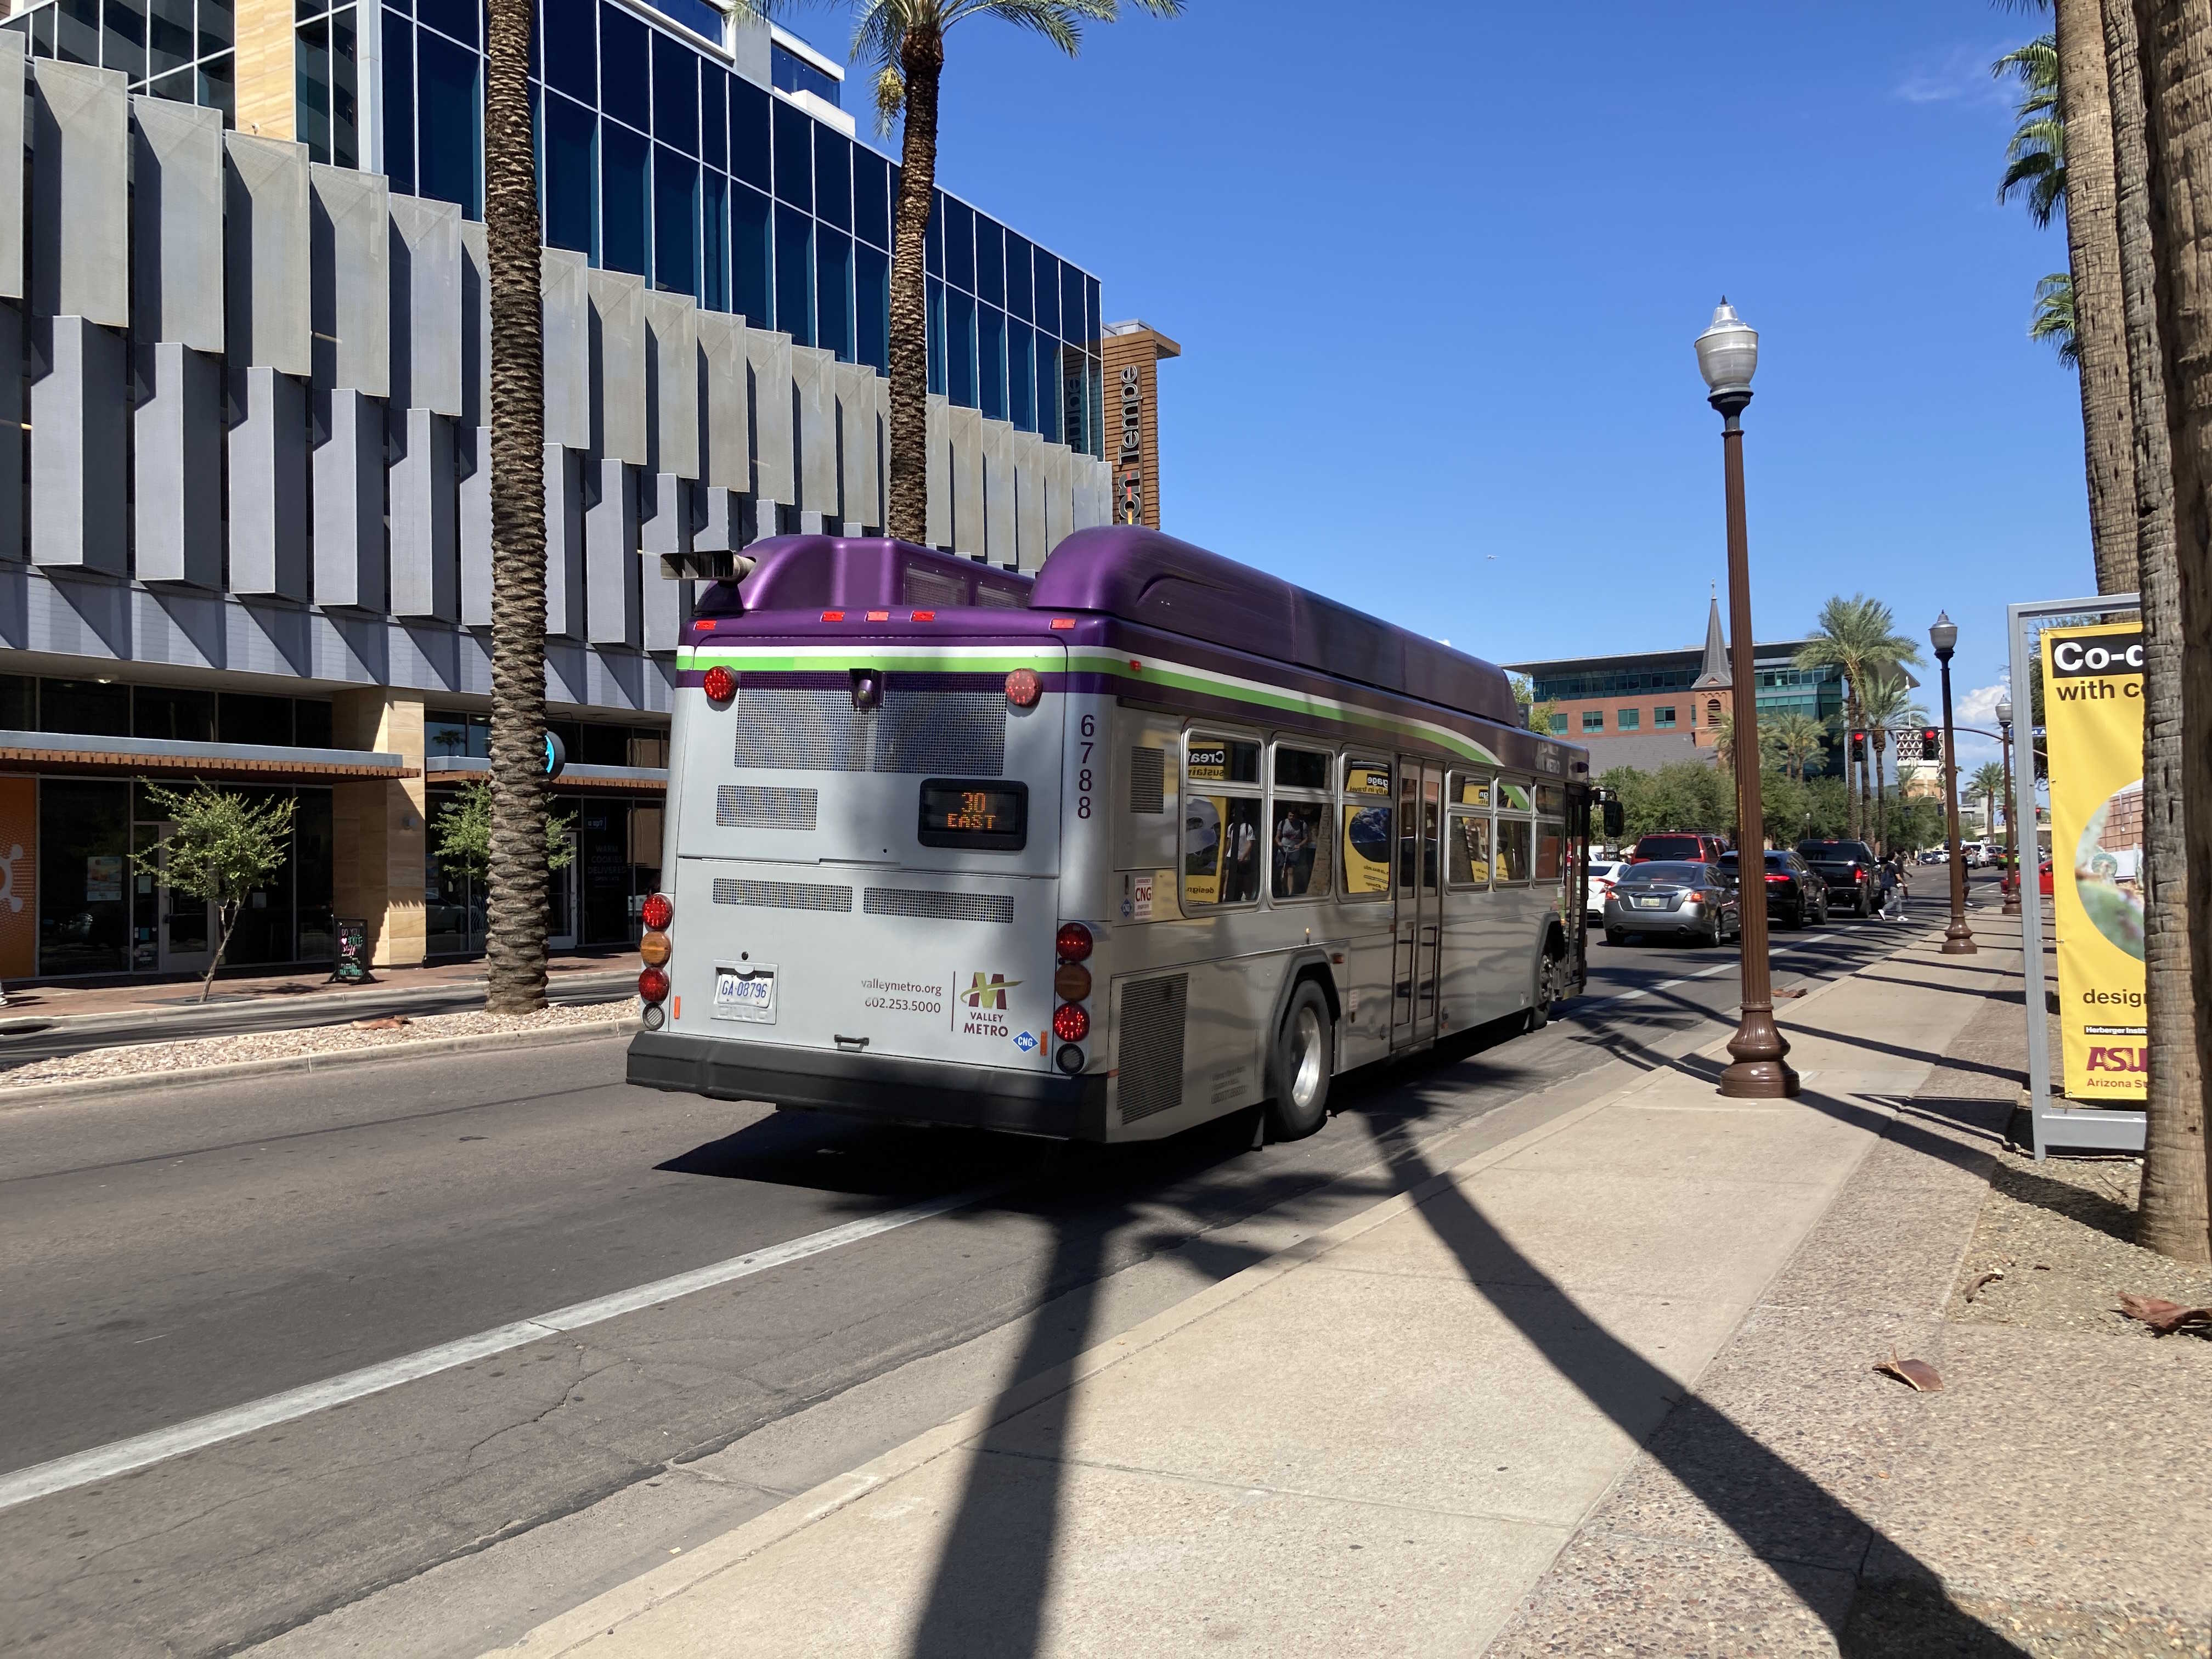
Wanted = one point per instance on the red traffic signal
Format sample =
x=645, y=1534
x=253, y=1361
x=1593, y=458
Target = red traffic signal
x=1931, y=742
x=1858, y=747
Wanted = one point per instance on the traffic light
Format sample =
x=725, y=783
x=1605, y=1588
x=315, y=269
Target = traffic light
x=1931, y=742
x=1858, y=747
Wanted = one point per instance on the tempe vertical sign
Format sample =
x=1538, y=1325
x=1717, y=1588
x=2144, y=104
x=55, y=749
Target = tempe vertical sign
x=2093, y=713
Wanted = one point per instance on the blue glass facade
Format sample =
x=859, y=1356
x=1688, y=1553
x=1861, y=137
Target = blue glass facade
x=655, y=157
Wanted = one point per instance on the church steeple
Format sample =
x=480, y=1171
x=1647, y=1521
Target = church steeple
x=1714, y=675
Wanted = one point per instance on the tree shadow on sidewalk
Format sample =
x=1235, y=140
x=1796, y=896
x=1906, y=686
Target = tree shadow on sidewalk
x=1783, y=1517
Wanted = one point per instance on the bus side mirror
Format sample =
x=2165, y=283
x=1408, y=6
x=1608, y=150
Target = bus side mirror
x=1616, y=820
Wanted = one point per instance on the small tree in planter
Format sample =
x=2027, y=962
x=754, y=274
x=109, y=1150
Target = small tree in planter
x=463, y=830
x=225, y=845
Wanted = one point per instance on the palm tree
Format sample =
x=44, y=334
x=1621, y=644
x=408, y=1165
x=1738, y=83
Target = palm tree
x=2053, y=321
x=905, y=40
x=1798, y=740
x=2093, y=247
x=1857, y=637
x=514, y=923
x=1988, y=782
x=2036, y=157
x=2166, y=273
x=1885, y=704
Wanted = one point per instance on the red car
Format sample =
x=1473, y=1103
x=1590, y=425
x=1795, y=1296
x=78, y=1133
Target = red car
x=2043, y=881
x=1673, y=848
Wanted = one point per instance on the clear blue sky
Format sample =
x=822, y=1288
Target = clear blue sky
x=1436, y=268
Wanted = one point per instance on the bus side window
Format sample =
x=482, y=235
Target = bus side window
x=1367, y=839
x=1469, y=864
x=1299, y=833
x=1550, y=850
x=1221, y=821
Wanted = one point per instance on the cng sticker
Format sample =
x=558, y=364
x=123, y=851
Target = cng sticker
x=1025, y=1041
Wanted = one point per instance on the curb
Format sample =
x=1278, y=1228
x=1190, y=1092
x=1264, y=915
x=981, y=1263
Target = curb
x=363, y=998
x=46, y=1093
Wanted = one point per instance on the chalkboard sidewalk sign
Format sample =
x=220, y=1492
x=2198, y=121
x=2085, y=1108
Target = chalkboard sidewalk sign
x=352, y=967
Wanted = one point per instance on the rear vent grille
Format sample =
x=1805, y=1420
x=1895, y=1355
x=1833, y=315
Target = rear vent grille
x=949, y=732
x=782, y=895
x=1149, y=1052
x=920, y=586
x=790, y=729
x=1147, y=781
x=746, y=806
x=990, y=596
x=796, y=729
x=937, y=907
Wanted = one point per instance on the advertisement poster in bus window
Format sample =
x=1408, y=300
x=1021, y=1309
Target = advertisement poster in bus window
x=1221, y=849
x=1367, y=828
x=19, y=920
x=2093, y=713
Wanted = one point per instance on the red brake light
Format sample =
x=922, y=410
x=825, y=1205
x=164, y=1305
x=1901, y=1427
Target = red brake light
x=1073, y=942
x=925, y=615
x=833, y=616
x=1777, y=878
x=720, y=684
x=1070, y=1023
x=1063, y=622
x=704, y=625
x=652, y=986
x=658, y=912
x=1023, y=688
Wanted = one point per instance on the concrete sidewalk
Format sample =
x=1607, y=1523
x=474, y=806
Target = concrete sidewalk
x=1380, y=1439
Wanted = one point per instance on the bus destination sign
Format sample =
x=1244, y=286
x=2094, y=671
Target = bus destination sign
x=990, y=816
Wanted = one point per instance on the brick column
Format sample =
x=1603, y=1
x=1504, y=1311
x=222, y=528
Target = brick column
x=381, y=844
x=1132, y=352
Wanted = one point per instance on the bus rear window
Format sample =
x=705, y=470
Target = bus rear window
x=982, y=815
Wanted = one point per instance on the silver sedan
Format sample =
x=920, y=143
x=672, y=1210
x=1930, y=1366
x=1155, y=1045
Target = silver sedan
x=1689, y=901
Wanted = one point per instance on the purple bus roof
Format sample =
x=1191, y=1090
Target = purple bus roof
x=1137, y=575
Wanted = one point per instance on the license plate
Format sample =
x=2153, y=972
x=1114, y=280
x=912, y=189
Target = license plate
x=1648, y=903
x=746, y=992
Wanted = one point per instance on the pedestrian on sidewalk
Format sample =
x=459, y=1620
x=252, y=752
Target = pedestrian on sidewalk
x=1892, y=890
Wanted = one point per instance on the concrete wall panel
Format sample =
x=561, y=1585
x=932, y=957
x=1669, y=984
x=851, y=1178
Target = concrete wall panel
x=720, y=527
x=767, y=358
x=176, y=230
x=665, y=525
x=426, y=578
x=940, y=416
x=999, y=492
x=1058, y=479
x=672, y=326
x=814, y=412
x=564, y=542
x=268, y=481
x=14, y=129
x=856, y=448
x=269, y=317
x=618, y=421
x=11, y=434
x=964, y=428
x=472, y=477
x=725, y=422
x=80, y=193
x=612, y=593
x=425, y=252
x=348, y=498
x=565, y=286
x=1029, y=543
x=349, y=233
x=79, y=437
x=476, y=326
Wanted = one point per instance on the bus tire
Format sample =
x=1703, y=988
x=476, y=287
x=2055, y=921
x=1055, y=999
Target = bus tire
x=1300, y=1065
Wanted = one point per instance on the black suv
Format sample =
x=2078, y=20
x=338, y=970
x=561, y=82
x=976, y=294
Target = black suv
x=1849, y=868
x=1796, y=895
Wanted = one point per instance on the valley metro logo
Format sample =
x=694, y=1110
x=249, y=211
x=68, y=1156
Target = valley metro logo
x=988, y=991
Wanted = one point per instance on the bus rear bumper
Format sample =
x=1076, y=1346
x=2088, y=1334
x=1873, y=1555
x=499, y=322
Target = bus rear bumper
x=884, y=1086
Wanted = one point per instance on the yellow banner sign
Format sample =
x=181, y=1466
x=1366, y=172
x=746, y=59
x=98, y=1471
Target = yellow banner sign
x=2092, y=714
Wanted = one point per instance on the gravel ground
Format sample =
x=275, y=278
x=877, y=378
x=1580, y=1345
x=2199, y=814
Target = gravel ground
x=286, y=1045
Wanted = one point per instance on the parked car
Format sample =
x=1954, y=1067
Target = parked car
x=1796, y=895
x=2043, y=880
x=1685, y=900
x=1934, y=855
x=1848, y=867
x=1603, y=872
x=1678, y=847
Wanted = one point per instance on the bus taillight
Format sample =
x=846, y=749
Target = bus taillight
x=658, y=912
x=653, y=988
x=1073, y=942
x=720, y=684
x=1070, y=1022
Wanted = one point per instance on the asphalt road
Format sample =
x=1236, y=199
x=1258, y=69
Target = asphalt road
x=26, y=1036
x=167, y=1256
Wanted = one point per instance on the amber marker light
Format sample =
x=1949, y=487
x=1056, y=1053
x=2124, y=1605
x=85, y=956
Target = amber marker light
x=1070, y=983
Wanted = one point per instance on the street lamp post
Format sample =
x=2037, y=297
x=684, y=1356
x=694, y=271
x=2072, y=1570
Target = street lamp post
x=1957, y=938
x=2012, y=829
x=1728, y=353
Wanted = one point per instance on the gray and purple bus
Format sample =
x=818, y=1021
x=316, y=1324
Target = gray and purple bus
x=1147, y=839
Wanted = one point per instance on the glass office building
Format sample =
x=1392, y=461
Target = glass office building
x=659, y=154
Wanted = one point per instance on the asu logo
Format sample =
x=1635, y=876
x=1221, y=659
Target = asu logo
x=2119, y=1059
x=988, y=991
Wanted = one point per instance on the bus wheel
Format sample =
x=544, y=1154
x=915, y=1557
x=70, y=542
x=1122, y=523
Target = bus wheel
x=1299, y=1068
x=1547, y=992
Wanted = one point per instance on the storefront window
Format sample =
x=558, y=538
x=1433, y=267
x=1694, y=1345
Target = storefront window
x=92, y=707
x=84, y=876
x=178, y=714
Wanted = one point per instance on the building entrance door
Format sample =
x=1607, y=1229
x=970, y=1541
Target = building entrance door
x=1416, y=955
x=187, y=924
x=561, y=907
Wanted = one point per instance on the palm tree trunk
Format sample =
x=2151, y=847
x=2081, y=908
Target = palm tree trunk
x=2093, y=253
x=2173, y=1209
x=514, y=926
x=921, y=61
x=2174, y=60
x=1881, y=801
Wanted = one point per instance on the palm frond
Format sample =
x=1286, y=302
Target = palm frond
x=2053, y=321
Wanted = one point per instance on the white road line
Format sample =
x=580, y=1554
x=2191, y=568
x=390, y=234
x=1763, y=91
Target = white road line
x=1653, y=990
x=121, y=1457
